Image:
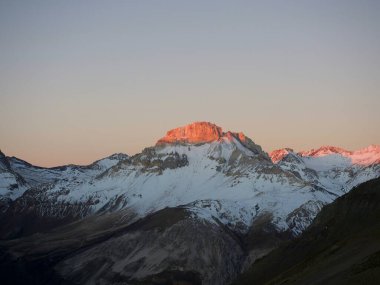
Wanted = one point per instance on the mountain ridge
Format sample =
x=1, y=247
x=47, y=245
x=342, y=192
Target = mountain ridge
x=227, y=183
x=229, y=161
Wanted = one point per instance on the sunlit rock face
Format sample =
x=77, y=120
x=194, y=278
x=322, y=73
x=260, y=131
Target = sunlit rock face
x=201, y=132
x=198, y=132
x=279, y=154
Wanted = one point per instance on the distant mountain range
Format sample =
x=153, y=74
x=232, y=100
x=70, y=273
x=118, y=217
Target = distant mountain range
x=199, y=207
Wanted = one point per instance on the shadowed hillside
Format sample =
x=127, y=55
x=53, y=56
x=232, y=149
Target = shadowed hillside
x=342, y=246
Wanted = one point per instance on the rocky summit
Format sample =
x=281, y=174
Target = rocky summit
x=198, y=132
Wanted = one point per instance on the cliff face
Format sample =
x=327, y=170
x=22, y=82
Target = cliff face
x=205, y=132
x=198, y=132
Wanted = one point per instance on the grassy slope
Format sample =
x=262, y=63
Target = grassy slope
x=342, y=246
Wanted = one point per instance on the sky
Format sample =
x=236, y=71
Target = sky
x=80, y=80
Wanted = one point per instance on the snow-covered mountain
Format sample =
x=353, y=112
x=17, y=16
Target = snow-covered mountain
x=217, y=174
x=332, y=168
x=220, y=179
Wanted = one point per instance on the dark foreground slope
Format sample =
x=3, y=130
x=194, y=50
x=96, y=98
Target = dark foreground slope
x=342, y=246
x=167, y=247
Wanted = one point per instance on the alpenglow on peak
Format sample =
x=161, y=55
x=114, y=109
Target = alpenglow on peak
x=197, y=132
x=206, y=132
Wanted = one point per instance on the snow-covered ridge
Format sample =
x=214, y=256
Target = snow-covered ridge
x=332, y=168
x=325, y=150
x=216, y=174
x=365, y=156
x=17, y=176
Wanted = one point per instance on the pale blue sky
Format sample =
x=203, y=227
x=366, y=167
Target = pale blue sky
x=83, y=79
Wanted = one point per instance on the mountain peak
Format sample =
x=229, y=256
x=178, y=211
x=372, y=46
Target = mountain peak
x=279, y=154
x=206, y=132
x=197, y=132
x=326, y=150
x=371, y=148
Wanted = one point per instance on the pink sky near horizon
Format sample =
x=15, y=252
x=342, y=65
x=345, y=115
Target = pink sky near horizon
x=81, y=80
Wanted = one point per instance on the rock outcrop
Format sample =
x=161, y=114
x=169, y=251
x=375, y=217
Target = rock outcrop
x=198, y=132
x=205, y=132
x=279, y=154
